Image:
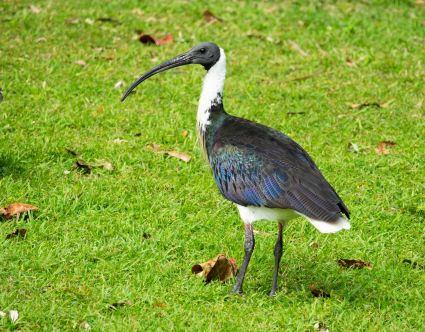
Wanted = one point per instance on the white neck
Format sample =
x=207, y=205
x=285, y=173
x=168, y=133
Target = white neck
x=212, y=90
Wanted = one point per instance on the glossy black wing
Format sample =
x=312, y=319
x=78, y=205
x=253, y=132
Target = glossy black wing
x=259, y=166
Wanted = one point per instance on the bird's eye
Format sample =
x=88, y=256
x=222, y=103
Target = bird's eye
x=202, y=50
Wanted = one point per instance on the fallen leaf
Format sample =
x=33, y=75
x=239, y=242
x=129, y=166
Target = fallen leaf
x=16, y=209
x=317, y=292
x=108, y=20
x=179, y=155
x=160, y=305
x=294, y=113
x=146, y=235
x=382, y=147
x=185, y=133
x=420, y=2
x=321, y=327
x=210, y=18
x=35, y=9
x=13, y=315
x=105, y=165
x=120, y=304
x=297, y=48
x=19, y=232
x=83, y=166
x=41, y=40
x=146, y=39
x=81, y=63
x=350, y=62
x=168, y=39
x=369, y=104
x=354, y=264
x=219, y=268
x=414, y=265
x=119, y=84
x=66, y=172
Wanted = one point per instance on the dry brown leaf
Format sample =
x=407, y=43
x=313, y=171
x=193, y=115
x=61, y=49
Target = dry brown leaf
x=297, y=48
x=185, y=133
x=317, y=292
x=219, y=268
x=382, y=147
x=168, y=39
x=16, y=209
x=149, y=39
x=354, y=264
x=371, y=104
x=176, y=154
x=116, y=305
x=180, y=155
x=19, y=232
x=210, y=18
x=350, y=62
x=160, y=305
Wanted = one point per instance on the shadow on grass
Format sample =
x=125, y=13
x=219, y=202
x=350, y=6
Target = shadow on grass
x=9, y=166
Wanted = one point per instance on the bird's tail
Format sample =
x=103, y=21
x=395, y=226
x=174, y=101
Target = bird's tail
x=330, y=226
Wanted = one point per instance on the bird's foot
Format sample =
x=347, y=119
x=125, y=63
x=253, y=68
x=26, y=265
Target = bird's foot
x=237, y=290
x=272, y=293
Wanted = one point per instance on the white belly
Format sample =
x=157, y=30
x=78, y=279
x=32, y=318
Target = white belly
x=250, y=214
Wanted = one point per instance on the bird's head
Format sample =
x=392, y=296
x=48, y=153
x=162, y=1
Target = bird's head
x=206, y=54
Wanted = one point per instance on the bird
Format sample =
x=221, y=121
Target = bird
x=266, y=174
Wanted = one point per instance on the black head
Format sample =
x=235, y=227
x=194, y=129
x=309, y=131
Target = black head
x=205, y=54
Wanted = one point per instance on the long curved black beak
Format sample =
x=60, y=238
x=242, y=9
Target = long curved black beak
x=180, y=60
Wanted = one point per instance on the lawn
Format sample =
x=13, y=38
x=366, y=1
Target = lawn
x=338, y=77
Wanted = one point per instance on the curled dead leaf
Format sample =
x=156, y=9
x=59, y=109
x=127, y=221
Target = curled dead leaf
x=219, y=268
x=19, y=232
x=149, y=39
x=382, y=147
x=350, y=62
x=120, y=304
x=210, y=18
x=371, y=104
x=354, y=264
x=16, y=209
x=176, y=154
x=317, y=292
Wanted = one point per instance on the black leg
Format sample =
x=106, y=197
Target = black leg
x=249, y=248
x=277, y=256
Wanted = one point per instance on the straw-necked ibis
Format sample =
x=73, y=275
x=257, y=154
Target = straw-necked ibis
x=263, y=172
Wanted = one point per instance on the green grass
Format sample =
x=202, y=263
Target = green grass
x=85, y=248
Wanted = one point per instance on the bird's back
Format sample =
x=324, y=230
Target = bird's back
x=255, y=165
